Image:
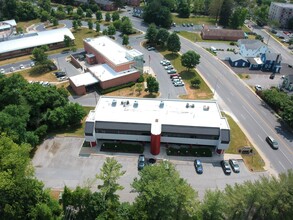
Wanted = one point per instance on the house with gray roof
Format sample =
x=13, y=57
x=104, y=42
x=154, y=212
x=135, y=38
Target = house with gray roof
x=271, y=62
x=236, y=60
x=251, y=48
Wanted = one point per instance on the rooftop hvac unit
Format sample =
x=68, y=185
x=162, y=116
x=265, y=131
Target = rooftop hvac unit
x=114, y=102
x=206, y=107
x=192, y=106
x=187, y=105
x=161, y=104
x=135, y=104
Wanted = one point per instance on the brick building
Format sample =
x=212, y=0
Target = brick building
x=221, y=34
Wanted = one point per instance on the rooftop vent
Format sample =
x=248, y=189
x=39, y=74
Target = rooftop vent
x=206, y=107
x=157, y=120
x=161, y=104
x=187, y=105
x=135, y=104
x=192, y=106
x=114, y=102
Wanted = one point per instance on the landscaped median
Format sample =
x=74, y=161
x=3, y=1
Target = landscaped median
x=122, y=148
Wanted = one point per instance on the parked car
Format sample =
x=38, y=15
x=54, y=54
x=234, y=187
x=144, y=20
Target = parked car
x=32, y=64
x=169, y=67
x=2, y=71
x=183, y=25
x=272, y=142
x=152, y=161
x=179, y=83
x=198, y=166
x=258, y=88
x=12, y=69
x=60, y=74
x=171, y=71
x=234, y=165
x=226, y=167
x=21, y=66
x=172, y=75
x=141, y=162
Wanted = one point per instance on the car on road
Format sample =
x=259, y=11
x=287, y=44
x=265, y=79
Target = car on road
x=141, y=162
x=21, y=66
x=198, y=166
x=226, y=167
x=60, y=74
x=169, y=67
x=2, y=71
x=12, y=69
x=272, y=142
x=234, y=165
x=151, y=48
x=32, y=64
x=171, y=71
x=258, y=87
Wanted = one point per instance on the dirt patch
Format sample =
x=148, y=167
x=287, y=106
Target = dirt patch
x=193, y=93
x=55, y=193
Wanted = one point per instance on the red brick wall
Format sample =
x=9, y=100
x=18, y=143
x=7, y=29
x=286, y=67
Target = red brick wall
x=80, y=90
x=119, y=80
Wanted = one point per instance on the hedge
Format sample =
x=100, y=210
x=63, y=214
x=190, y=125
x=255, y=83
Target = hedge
x=122, y=148
x=112, y=89
x=194, y=152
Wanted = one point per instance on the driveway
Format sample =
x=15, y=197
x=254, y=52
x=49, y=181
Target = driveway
x=57, y=163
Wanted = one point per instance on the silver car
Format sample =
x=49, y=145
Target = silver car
x=234, y=165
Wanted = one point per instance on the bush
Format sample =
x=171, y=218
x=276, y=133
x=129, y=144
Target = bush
x=112, y=89
x=195, y=152
x=122, y=147
x=140, y=79
x=233, y=43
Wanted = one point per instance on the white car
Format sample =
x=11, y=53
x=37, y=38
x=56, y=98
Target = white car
x=150, y=48
x=32, y=64
x=12, y=69
x=258, y=88
x=169, y=67
x=21, y=66
x=2, y=71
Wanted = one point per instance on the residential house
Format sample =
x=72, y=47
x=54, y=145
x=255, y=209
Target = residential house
x=271, y=62
x=251, y=48
x=238, y=61
x=287, y=84
x=221, y=34
x=281, y=12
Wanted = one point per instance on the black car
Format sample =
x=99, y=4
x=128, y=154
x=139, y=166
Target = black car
x=141, y=162
x=60, y=74
x=226, y=167
x=198, y=166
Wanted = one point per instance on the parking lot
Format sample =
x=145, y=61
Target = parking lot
x=57, y=163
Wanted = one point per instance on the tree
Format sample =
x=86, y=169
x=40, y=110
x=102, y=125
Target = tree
x=98, y=27
x=90, y=24
x=67, y=41
x=115, y=16
x=117, y=24
x=199, y=7
x=138, y=88
x=44, y=16
x=69, y=9
x=162, y=194
x=111, y=30
x=238, y=17
x=215, y=8
x=152, y=85
x=105, y=31
x=110, y=174
x=190, y=59
x=107, y=17
x=162, y=36
x=126, y=26
x=213, y=205
x=118, y=3
x=99, y=16
x=75, y=25
x=226, y=12
x=173, y=43
x=39, y=56
x=125, y=40
x=55, y=22
x=151, y=33
x=80, y=12
x=89, y=13
x=158, y=12
x=261, y=14
x=183, y=9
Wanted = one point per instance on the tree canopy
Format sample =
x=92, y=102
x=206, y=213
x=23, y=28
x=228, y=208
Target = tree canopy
x=152, y=84
x=173, y=43
x=190, y=59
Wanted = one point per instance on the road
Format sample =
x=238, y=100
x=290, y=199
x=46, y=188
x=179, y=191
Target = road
x=255, y=118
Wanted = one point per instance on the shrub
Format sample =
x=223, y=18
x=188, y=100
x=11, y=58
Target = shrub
x=140, y=79
x=196, y=152
x=112, y=89
x=122, y=147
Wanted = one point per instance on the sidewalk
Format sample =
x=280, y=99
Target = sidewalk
x=94, y=151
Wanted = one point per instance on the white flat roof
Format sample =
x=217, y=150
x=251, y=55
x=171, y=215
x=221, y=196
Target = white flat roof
x=258, y=60
x=134, y=53
x=35, y=39
x=109, y=49
x=11, y=22
x=103, y=72
x=84, y=79
x=173, y=112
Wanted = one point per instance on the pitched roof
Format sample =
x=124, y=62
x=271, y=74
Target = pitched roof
x=222, y=32
x=250, y=44
x=273, y=56
x=235, y=57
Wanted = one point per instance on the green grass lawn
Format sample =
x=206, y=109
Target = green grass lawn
x=194, y=19
x=238, y=140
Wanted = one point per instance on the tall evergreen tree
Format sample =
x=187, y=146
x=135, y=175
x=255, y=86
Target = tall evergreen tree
x=226, y=12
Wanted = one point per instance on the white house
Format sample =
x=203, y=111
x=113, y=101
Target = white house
x=251, y=48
